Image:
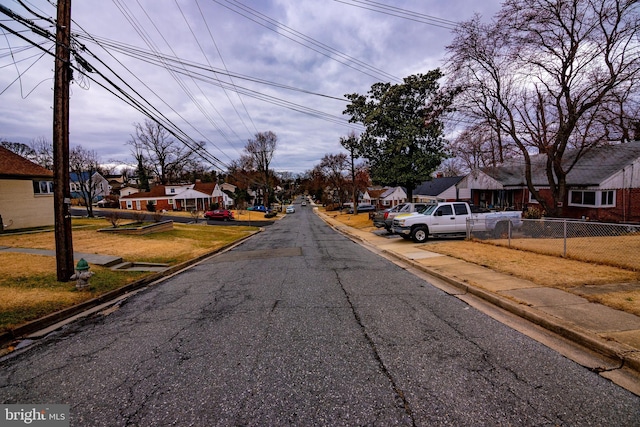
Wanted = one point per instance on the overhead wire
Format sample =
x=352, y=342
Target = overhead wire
x=182, y=84
x=401, y=13
x=301, y=39
x=198, y=71
x=206, y=24
x=181, y=69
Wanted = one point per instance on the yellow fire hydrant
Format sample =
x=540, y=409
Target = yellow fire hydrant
x=82, y=274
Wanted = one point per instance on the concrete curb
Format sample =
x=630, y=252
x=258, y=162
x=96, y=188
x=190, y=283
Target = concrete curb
x=617, y=351
x=53, y=318
x=623, y=354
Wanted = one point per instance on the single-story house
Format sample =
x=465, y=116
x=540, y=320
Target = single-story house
x=441, y=189
x=603, y=185
x=384, y=197
x=198, y=196
x=26, y=193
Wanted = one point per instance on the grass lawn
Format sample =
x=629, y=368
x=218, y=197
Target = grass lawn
x=28, y=285
x=534, y=263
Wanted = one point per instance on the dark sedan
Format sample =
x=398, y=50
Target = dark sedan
x=259, y=208
x=223, y=214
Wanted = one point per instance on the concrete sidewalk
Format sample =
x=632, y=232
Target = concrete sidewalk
x=612, y=333
x=97, y=259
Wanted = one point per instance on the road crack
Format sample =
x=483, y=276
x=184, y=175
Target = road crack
x=399, y=392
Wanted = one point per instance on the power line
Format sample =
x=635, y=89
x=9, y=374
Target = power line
x=401, y=13
x=306, y=41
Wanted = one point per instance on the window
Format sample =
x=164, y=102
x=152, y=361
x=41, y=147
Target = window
x=608, y=198
x=460, y=209
x=43, y=187
x=592, y=198
x=444, y=210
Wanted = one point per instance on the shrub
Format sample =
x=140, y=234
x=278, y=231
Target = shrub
x=532, y=212
x=114, y=218
x=138, y=216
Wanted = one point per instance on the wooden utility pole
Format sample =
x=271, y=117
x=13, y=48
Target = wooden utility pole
x=61, y=189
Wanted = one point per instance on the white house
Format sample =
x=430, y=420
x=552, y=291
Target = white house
x=385, y=197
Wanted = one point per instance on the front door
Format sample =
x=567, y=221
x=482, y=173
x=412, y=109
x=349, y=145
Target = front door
x=444, y=221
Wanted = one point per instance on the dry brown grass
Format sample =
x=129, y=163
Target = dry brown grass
x=544, y=270
x=535, y=261
x=547, y=270
x=360, y=221
x=28, y=285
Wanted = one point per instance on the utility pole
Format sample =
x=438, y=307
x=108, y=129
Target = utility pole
x=61, y=190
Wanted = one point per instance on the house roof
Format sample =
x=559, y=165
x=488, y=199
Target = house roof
x=205, y=187
x=436, y=186
x=155, y=192
x=13, y=165
x=159, y=192
x=376, y=193
x=594, y=167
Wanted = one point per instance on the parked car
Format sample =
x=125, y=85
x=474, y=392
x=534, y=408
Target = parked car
x=363, y=207
x=223, y=214
x=290, y=209
x=259, y=208
x=385, y=218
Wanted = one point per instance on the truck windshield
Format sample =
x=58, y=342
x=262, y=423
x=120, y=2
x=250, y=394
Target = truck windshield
x=428, y=210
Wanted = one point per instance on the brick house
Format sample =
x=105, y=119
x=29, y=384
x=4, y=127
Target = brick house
x=198, y=196
x=603, y=185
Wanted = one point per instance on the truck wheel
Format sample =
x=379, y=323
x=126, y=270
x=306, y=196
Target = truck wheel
x=420, y=234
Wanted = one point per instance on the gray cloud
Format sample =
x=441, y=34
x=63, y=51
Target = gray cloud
x=102, y=122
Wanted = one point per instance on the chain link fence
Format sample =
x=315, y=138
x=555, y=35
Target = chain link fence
x=601, y=243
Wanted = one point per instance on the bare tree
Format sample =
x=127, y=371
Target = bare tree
x=335, y=168
x=155, y=149
x=42, y=152
x=259, y=151
x=480, y=145
x=18, y=148
x=84, y=164
x=550, y=76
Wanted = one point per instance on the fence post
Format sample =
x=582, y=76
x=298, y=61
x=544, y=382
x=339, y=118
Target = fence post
x=509, y=232
x=564, y=254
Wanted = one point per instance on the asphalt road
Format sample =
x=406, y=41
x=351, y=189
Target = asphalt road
x=301, y=326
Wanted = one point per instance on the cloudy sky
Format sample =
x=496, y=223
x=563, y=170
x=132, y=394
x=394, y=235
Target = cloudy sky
x=221, y=70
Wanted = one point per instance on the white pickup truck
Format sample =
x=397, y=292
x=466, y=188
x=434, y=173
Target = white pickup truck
x=449, y=219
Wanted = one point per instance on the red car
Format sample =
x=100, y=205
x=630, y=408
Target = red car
x=222, y=214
